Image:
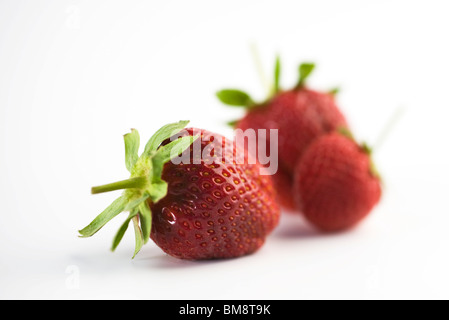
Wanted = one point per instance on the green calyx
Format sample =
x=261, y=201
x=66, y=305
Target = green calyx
x=346, y=132
x=372, y=166
x=235, y=98
x=145, y=185
x=241, y=99
x=305, y=70
x=365, y=148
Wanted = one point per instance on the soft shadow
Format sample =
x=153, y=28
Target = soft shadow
x=294, y=226
x=160, y=260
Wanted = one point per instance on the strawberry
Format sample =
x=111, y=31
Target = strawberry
x=300, y=114
x=196, y=209
x=336, y=182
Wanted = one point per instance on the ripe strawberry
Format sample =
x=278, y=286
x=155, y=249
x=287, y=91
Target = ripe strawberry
x=301, y=115
x=200, y=209
x=336, y=182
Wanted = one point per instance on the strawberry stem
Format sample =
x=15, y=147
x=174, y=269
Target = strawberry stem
x=145, y=185
x=388, y=127
x=259, y=68
x=133, y=183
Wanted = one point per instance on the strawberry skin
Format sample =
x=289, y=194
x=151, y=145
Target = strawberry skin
x=301, y=116
x=283, y=183
x=335, y=184
x=214, y=210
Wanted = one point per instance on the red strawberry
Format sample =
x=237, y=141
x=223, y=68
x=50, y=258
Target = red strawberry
x=301, y=115
x=283, y=183
x=336, y=182
x=195, y=210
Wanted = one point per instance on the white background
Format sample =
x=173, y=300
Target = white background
x=77, y=75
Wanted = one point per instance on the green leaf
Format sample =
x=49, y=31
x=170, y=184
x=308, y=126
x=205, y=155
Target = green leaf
x=158, y=190
x=235, y=97
x=138, y=234
x=366, y=148
x=145, y=220
x=135, y=203
x=121, y=232
x=163, y=155
x=107, y=215
x=305, y=70
x=345, y=132
x=233, y=123
x=277, y=75
x=132, y=144
x=334, y=91
x=170, y=151
x=162, y=134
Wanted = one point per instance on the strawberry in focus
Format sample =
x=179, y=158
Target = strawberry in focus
x=300, y=115
x=336, y=183
x=196, y=210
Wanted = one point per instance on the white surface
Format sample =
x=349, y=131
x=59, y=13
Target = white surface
x=76, y=75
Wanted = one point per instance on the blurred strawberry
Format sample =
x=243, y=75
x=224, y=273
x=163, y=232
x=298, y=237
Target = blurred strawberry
x=300, y=114
x=336, y=182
